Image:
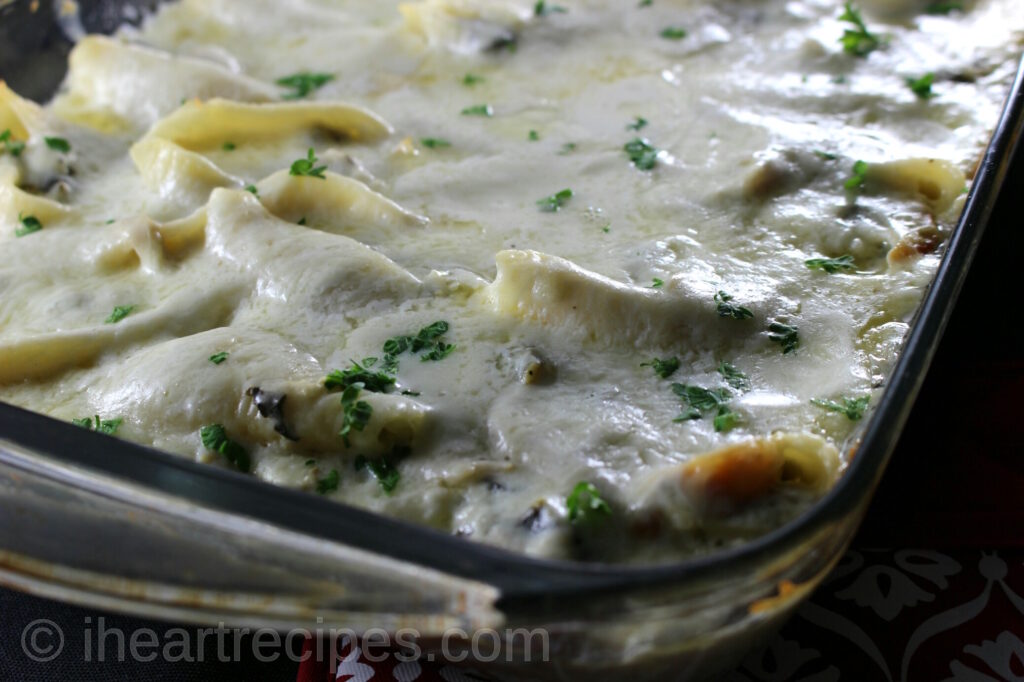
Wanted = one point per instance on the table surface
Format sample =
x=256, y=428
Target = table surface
x=953, y=484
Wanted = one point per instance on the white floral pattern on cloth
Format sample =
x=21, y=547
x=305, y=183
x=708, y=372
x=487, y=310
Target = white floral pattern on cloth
x=900, y=616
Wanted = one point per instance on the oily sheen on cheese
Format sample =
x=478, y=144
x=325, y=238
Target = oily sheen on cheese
x=592, y=280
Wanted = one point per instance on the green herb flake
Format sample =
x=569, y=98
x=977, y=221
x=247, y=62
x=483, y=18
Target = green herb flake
x=329, y=483
x=218, y=358
x=106, y=426
x=252, y=189
x=215, y=439
x=825, y=156
x=303, y=83
x=553, y=203
x=307, y=167
x=922, y=87
x=664, y=367
x=733, y=376
x=471, y=79
x=29, y=224
x=543, y=9
x=58, y=144
x=427, y=338
x=434, y=142
x=657, y=283
x=375, y=382
x=385, y=473
x=858, y=41
x=228, y=146
x=831, y=265
x=786, y=336
x=120, y=312
x=725, y=420
x=726, y=308
x=673, y=33
x=310, y=462
x=533, y=136
x=944, y=7
x=641, y=153
x=302, y=221
x=645, y=3
x=638, y=123
x=478, y=110
x=356, y=413
x=11, y=146
x=853, y=408
x=859, y=177
x=700, y=399
x=567, y=148
x=439, y=351
x=585, y=505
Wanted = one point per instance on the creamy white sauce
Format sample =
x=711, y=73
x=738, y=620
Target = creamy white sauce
x=757, y=116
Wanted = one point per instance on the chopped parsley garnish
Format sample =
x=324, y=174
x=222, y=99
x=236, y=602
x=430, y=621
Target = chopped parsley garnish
x=853, y=408
x=922, y=87
x=645, y=3
x=673, y=33
x=478, y=110
x=699, y=400
x=58, y=144
x=385, y=472
x=120, y=312
x=657, y=283
x=215, y=439
x=567, y=148
x=107, y=426
x=12, y=147
x=310, y=462
x=733, y=376
x=641, y=153
x=440, y=351
x=307, y=167
x=584, y=504
x=786, y=336
x=860, y=175
x=218, y=358
x=831, y=265
x=825, y=156
x=533, y=136
x=302, y=221
x=472, y=79
x=228, y=146
x=356, y=412
x=29, y=224
x=664, y=367
x=725, y=420
x=554, y=202
x=858, y=41
x=434, y=142
x=329, y=483
x=252, y=189
x=303, y=83
x=427, y=339
x=542, y=9
x=944, y=7
x=375, y=382
x=638, y=123
x=726, y=308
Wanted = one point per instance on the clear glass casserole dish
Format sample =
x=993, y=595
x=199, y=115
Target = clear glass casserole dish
x=93, y=520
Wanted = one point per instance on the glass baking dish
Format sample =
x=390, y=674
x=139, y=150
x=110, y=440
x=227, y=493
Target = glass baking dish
x=102, y=522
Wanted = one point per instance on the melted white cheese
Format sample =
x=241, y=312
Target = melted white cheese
x=176, y=199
